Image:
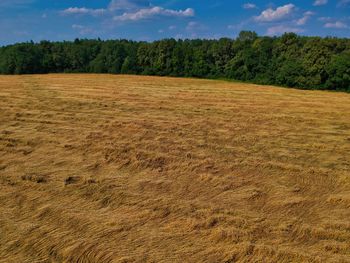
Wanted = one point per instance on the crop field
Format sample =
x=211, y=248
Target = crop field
x=115, y=168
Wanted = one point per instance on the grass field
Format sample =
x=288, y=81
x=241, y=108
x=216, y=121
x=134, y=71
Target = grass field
x=100, y=168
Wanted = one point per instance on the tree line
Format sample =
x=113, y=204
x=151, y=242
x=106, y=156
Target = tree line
x=289, y=60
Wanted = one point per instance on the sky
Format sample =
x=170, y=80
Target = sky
x=57, y=20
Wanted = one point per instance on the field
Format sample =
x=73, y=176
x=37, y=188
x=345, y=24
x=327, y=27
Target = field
x=101, y=168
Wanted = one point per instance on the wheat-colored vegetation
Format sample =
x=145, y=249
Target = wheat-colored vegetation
x=99, y=168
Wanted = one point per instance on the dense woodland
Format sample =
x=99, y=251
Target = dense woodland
x=289, y=60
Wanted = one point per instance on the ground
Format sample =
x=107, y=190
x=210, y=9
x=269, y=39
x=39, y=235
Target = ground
x=108, y=168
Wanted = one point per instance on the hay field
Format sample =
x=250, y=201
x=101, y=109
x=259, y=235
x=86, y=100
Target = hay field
x=100, y=168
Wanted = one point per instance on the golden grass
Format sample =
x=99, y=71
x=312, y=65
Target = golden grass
x=100, y=168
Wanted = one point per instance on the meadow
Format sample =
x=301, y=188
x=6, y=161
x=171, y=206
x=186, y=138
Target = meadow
x=120, y=168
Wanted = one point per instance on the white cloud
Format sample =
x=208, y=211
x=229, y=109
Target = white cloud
x=309, y=13
x=302, y=21
x=114, y=5
x=324, y=18
x=83, y=11
x=337, y=25
x=127, y=4
x=320, y=2
x=134, y=10
x=280, y=13
x=249, y=6
x=147, y=13
x=278, y=30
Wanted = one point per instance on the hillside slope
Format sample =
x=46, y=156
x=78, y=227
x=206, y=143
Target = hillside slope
x=102, y=168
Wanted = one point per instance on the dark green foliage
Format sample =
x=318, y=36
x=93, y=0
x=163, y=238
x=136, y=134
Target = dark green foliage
x=338, y=72
x=22, y=58
x=289, y=60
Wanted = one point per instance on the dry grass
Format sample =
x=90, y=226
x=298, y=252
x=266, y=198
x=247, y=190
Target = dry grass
x=99, y=168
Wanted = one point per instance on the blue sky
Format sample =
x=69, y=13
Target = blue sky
x=24, y=20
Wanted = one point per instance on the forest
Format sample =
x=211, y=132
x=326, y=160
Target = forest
x=289, y=60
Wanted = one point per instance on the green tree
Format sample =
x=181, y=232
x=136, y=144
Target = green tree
x=289, y=60
x=339, y=72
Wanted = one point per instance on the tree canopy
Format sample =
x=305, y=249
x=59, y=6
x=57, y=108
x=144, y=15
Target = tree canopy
x=289, y=60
